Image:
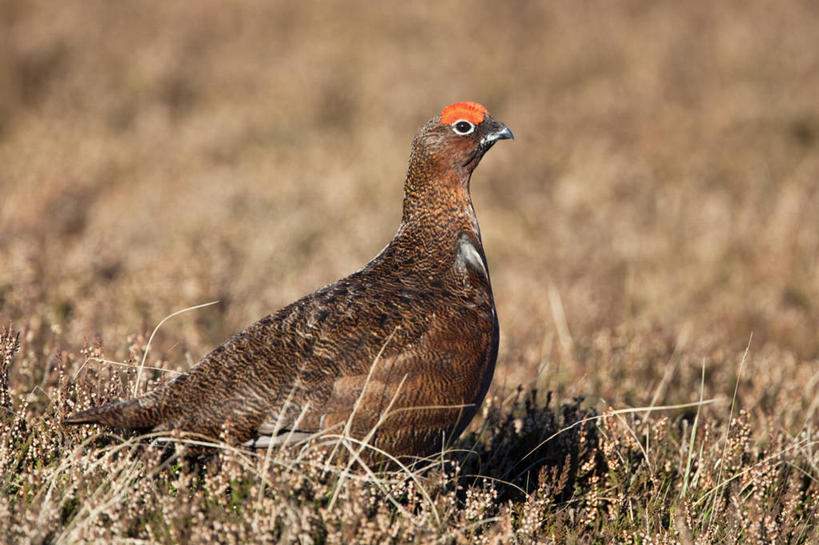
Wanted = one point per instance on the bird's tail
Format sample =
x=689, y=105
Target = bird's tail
x=142, y=413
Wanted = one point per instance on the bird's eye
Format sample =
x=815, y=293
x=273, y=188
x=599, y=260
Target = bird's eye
x=463, y=127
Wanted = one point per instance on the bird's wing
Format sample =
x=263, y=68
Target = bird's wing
x=422, y=389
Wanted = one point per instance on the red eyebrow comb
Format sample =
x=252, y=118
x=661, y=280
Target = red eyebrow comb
x=471, y=111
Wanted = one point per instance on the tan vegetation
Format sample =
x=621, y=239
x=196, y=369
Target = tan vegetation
x=652, y=236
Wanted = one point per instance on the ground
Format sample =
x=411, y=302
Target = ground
x=651, y=233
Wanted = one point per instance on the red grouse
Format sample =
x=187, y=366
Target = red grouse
x=406, y=345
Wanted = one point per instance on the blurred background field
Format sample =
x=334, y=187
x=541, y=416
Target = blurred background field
x=659, y=206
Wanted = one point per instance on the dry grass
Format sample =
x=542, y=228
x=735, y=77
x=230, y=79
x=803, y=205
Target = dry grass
x=657, y=211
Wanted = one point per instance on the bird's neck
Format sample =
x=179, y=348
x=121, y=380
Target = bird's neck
x=442, y=208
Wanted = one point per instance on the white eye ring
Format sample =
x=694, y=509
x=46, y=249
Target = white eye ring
x=462, y=127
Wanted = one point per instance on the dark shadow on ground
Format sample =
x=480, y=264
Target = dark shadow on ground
x=528, y=446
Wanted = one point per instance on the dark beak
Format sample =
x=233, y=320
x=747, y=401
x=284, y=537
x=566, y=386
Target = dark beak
x=493, y=130
x=497, y=131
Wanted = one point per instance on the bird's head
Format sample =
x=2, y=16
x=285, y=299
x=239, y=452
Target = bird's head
x=454, y=141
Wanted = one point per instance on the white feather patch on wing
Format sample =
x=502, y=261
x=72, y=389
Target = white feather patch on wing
x=468, y=255
x=287, y=438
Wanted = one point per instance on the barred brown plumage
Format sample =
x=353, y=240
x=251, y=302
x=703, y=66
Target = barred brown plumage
x=414, y=332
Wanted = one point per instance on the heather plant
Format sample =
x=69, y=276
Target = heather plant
x=651, y=235
x=526, y=472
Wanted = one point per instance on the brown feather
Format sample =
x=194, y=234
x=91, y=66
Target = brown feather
x=421, y=312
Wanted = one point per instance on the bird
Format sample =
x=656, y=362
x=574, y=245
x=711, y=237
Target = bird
x=399, y=354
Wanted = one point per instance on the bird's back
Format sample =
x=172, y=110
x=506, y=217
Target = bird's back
x=406, y=346
x=431, y=332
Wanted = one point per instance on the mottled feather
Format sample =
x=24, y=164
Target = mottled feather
x=415, y=330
